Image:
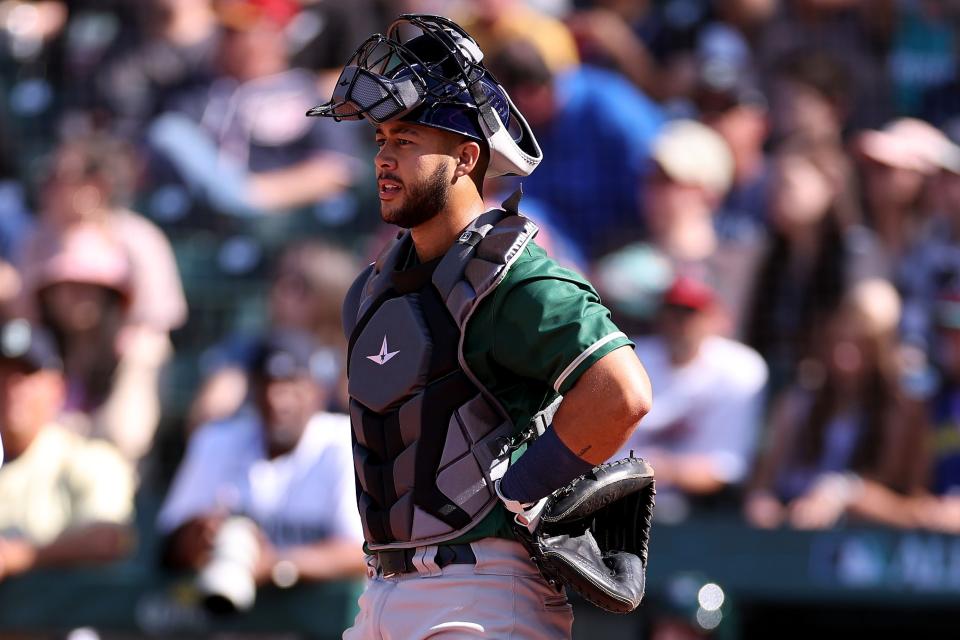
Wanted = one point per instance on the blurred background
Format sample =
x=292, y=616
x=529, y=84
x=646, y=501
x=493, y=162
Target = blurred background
x=766, y=194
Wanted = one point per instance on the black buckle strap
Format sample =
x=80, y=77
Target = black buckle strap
x=394, y=561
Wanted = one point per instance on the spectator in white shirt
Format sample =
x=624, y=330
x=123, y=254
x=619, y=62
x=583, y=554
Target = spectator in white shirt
x=702, y=430
x=284, y=463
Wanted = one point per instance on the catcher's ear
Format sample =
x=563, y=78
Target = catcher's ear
x=468, y=156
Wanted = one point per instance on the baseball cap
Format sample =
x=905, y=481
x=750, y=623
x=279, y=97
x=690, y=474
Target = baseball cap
x=909, y=143
x=690, y=152
x=86, y=254
x=243, y=15
x=689, y=293
x=720, y=88
x=29, y=345
x=286, y=353
x=633, y=279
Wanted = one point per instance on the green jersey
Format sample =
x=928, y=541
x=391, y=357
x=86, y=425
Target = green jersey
x=532, y=339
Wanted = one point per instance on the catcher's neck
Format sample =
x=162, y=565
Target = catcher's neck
x=434, y=237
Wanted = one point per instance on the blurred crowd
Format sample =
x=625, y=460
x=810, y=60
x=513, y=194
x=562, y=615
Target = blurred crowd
x=766, y=193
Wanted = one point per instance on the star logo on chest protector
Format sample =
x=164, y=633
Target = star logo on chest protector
x=385, y=354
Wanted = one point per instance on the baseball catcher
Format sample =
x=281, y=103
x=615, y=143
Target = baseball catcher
x=463, y=334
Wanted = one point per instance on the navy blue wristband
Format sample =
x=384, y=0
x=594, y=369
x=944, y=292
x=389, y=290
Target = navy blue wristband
x=545, y=466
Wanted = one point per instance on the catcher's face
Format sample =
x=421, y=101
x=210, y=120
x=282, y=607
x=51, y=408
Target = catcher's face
x=415, y=166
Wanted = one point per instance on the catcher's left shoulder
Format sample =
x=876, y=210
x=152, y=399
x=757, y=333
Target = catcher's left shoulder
x=534, y=263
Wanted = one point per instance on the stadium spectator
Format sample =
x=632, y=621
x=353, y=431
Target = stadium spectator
x=309, y=284
x=933, y=263
x=828, y=37
x=611, y=35
x=936, y=454
x=810, y=98
x=812, y=258
x=81, y=285
x=662, y=46
x=590, y=181
x=286, y=464
x=326, y=32
x=728, y=101
x=65, y=500
x=897, y=163
x=176, y=53
x=700, y=435
x=241, y=142
x=691, y=171
x=493, y=23
x=930, y=456
x=839, y=427
x=90, y=178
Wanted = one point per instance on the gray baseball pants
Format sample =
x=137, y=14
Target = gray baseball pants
x=502, y=597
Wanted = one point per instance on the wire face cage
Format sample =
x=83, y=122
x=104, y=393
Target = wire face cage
x=421, y=59
x=431, y=65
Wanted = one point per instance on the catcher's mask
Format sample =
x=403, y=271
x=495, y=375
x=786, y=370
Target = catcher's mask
x=429, y=71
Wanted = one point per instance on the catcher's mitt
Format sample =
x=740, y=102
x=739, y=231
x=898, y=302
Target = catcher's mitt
x=592, y=535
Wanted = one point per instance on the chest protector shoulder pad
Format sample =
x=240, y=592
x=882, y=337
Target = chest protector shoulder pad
x=429, y=439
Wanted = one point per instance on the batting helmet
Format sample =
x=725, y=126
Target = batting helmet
x=428, y=70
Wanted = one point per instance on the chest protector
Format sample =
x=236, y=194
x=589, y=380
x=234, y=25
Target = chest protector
x=428, y=438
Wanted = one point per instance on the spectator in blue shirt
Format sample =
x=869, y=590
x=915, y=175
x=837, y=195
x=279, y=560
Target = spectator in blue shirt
x=595, y=130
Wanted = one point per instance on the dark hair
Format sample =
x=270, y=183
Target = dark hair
x=327, y=271
x=99, y=379
x=518, y=63
x=819, y=295
x=110, y=161
x=819, y=71
x=875, y=401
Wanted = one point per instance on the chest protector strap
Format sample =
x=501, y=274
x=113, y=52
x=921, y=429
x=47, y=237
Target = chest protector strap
x=429, y=439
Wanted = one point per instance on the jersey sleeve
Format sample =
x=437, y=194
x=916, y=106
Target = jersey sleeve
x=202, y=474
x=551, y=326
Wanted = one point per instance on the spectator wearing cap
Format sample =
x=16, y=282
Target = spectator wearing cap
x=81, y=285
x=897, y=163
x=837, y=435
x=65, y=500
x=933, y=262
x=704, y=427
x=241, y=142
x=596, y=128
x=690, y=173
x=495, y=22
x=90, y=179
x=285, y=463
